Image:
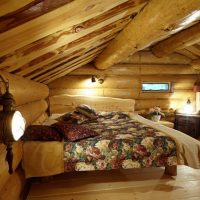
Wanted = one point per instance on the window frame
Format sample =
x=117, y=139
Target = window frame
x=170, y=88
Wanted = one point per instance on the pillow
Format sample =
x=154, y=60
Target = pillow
x=41, y=133
x=87, y=108
x=74, y=132
x=87, y=111
x=73, y=118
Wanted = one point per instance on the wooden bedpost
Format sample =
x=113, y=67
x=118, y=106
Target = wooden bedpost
x=171, y=170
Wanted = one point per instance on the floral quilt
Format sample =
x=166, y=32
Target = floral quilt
x=122, y=143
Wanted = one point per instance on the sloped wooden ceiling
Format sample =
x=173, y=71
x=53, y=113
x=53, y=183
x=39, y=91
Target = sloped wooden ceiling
x=43, y=40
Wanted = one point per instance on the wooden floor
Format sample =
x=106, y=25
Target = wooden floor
x=142, y=184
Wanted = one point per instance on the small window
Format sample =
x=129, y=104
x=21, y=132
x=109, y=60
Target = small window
x=156, y=87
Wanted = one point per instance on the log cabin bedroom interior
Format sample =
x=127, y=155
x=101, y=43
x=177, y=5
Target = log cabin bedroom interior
x=99, y=99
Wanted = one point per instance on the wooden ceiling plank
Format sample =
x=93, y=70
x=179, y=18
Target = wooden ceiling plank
x=194, y=49
x=157, y=21
x=74, y=61
x=58, y=19
x=68, y=71
x=66, y=50
x=187, y=53
x=71, y=56
x=180, y=40
x=10, y=6
x=28, y=12
x=32, y=51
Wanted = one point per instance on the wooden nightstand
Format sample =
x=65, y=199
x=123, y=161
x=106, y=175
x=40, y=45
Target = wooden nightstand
x=189, y=124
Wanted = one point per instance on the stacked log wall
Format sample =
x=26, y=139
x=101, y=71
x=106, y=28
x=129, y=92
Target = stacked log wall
x=124, y=81
x=30, y=100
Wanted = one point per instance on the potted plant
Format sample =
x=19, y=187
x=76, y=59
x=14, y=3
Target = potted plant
x=155, y=114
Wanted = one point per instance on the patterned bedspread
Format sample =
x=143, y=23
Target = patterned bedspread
x=122, y=143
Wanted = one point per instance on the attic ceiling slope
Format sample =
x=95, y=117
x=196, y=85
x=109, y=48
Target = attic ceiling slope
x=155, y=22
x=50, y=38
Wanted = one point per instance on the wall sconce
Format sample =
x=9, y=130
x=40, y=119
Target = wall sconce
x=94, y=77
x=188, y=109
x=12, y=124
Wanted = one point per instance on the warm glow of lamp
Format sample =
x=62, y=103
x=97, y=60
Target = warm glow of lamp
x=18, y=125
x=188, y=109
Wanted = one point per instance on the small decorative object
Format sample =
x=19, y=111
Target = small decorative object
x=155, y=114
x=94, y=77
x=188, y=109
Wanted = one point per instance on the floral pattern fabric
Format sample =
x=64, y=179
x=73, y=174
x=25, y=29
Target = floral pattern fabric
x=122, y=143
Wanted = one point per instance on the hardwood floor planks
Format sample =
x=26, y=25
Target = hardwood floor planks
x=140, y=184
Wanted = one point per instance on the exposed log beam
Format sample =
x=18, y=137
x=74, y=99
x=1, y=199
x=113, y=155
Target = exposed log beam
x=24, y=90
x=150, y=26
x=180, y=40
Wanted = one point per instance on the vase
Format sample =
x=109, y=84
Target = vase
x=155, y=118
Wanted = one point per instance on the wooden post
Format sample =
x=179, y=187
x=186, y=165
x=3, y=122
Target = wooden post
x=171, y=170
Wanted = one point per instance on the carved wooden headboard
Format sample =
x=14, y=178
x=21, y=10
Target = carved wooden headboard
x=67, y=103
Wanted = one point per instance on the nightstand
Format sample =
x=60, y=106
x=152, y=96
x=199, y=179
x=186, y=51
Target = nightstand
x=189, y=124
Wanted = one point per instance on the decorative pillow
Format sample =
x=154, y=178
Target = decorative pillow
x=41, y=133
x=74, y=132
x=87, y=108
x=73, y=118
x=87, y=111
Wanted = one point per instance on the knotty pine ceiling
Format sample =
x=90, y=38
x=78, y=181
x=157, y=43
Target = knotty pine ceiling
x=44, y=40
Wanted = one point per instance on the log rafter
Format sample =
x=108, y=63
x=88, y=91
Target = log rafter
x=178, y=41
x=169, y=17
x=40, y=54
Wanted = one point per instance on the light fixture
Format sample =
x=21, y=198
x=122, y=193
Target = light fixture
x=188, y=109
x=94, y=77
x=12, y=124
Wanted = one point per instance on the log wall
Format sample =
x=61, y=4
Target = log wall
x=30, y=100
x=124, y=81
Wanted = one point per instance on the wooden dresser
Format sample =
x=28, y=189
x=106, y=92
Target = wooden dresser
x=189, y=124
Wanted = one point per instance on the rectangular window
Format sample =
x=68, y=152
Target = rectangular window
x=156, y=87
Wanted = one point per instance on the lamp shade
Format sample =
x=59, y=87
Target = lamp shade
x=13, y=126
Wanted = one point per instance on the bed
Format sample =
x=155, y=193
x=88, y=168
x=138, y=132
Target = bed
x=111, y=149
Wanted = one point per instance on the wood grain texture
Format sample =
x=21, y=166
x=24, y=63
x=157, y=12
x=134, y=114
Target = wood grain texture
x=24, y=90
x=17, y=152
x=147, y=57
x=25, y=11
x=180, y=40
x=124, y=81
x=137, y=184
x=142, y=32
x=14, y=186
x=66, y=103
x=31, y=111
